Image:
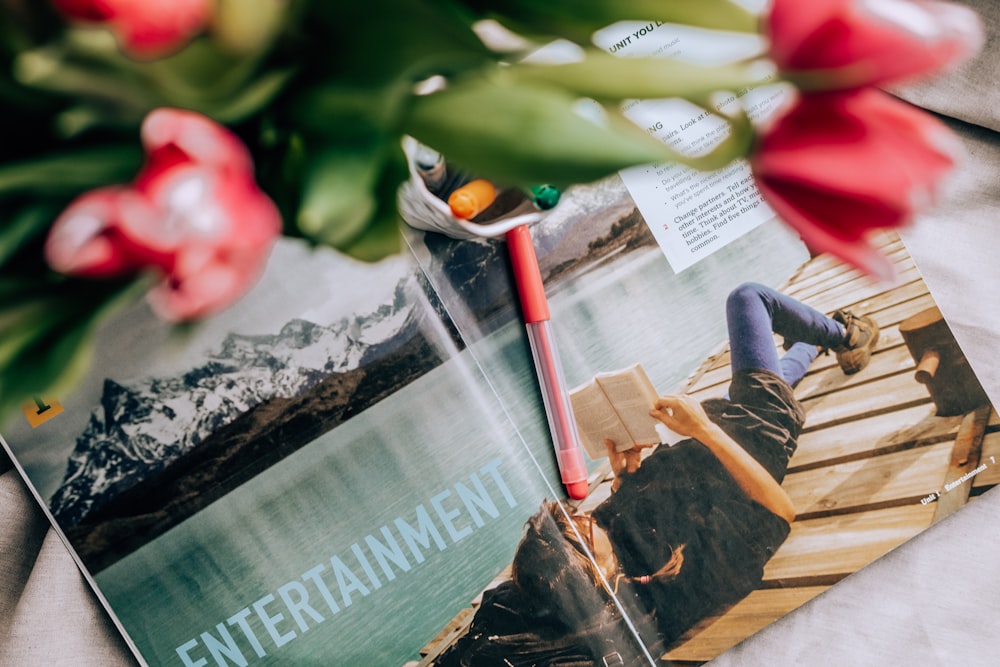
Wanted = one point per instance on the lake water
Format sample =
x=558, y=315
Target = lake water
x=325, y=544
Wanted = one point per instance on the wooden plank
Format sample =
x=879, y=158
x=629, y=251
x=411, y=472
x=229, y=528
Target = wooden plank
x=712, y=362
x=879, y=434
x=599, y=494
x=451, y=632
x=885, y=362
x=717, y=390
x=881, y=481
x=964, y=463
x=868, y=298
x=882, y=395
x=825, y=550
x=838, y=275
x=747, y=617
x=859, y=294
x=825, y=262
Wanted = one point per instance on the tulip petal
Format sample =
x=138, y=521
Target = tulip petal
x=871, y=42
x=202, y=294
x=838, y=165
x=156, y=28
x=194, y=214
x=171, y=136
x=860, y=144
x=83, y=240
x=852, y=248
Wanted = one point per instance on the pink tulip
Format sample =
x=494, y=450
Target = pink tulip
x=144, y=28
x=193, y=214
x=83, y=242
x=847, y=43
x=838, y=165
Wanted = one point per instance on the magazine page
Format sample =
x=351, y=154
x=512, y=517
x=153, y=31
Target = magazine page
x=850, y=394
x=320, y=475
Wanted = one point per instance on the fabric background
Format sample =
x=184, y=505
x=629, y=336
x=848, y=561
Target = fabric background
x=933, y=601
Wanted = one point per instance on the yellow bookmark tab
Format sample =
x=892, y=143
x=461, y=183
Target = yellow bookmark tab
x=40, y=410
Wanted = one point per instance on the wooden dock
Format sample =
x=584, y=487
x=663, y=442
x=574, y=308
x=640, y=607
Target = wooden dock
x=875, y=464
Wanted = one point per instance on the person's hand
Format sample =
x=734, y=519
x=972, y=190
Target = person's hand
x=681, y=414
x=623, y=463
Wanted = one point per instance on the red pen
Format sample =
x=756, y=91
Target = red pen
x=535, y=307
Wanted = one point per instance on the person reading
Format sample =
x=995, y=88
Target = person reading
x=688, y=529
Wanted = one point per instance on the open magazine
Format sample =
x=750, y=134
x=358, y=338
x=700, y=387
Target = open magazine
x=885, y=449
x=342, y=467
x=353, y=464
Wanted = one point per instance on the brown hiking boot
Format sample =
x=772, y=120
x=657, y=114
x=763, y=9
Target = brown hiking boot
x=860, y=341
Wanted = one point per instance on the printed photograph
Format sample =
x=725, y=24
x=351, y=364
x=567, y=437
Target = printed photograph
x=815, y=419
x=268, y=490
x=322, y=455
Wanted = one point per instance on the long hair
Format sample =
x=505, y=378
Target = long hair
x=550, y=612
x=551, y=570
x=553, y=554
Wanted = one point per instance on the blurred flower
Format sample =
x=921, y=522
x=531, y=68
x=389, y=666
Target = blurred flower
x=324, y=101
x=847, y=43
x=839, y=165
x=194, y=213
x=144, y=28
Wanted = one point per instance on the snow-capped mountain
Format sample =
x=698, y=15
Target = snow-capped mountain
x=142, y=426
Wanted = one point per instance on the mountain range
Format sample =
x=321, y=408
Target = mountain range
x=157, y=449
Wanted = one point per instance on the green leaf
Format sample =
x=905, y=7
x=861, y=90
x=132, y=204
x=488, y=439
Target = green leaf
x=24, y=226
x=351, y=113
x=69, y=173
x=383, y=236
x=205, y=78
x=249, y=26
x=735, y=146
x=611, y=78
x=397, y=39
x=381, y=239
x=338, y=196
x=528, y=134
x=18, y=289
x=54, y=338
x=110, y=83
x=252, y=98
x=579, y=19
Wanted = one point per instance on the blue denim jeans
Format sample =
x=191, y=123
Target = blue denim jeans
x=754, y=312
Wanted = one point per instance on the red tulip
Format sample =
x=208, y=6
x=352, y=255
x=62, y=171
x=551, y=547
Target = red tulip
x=849, y=43
x=144, y=28
x=838, y=165
x=193, y=213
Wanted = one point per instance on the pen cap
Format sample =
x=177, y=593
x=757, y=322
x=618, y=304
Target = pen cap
x=527, y=275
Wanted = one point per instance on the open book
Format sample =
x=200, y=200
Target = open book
x=615, y=405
